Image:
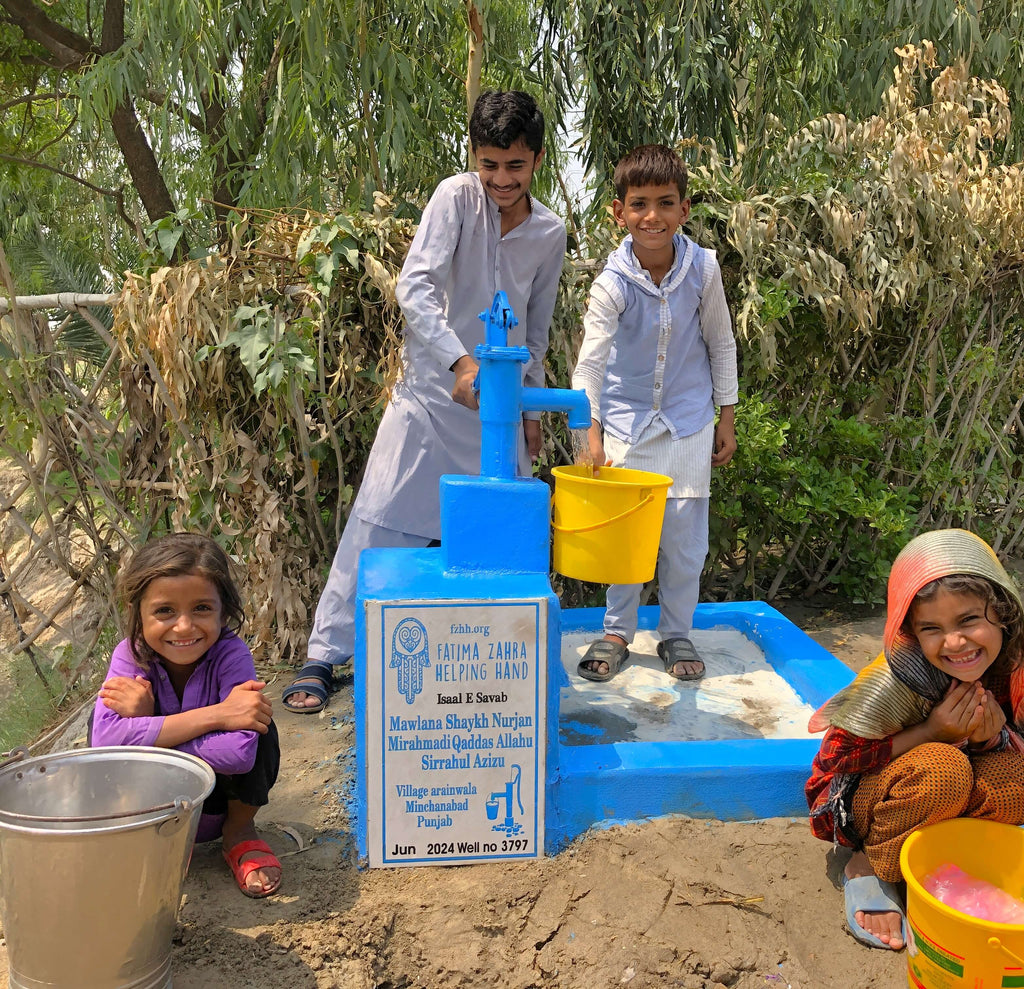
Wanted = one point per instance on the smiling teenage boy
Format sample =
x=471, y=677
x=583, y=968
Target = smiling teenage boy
x=481, y=231
x=658, y=355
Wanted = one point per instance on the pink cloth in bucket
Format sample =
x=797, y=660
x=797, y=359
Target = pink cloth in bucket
x=958, y=890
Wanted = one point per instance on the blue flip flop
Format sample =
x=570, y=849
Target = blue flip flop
x=321, y=684
x=872, y=895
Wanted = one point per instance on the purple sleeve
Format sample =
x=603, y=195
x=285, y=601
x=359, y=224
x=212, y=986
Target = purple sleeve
x=228, y=664
x=108, y=727
x=226, y=752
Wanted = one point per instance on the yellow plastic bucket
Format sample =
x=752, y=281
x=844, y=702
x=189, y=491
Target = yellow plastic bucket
x=948, y=949
x=607, y=524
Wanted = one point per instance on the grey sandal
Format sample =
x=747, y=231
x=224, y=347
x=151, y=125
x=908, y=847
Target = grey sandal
x=672, y=651
x=602, y=651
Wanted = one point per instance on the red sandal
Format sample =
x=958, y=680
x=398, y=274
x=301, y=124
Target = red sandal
x=242, y=870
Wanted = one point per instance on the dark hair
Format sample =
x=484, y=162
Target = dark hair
x=180, y=554
x=1000, y=609
x=650, y=164
x=500, y=118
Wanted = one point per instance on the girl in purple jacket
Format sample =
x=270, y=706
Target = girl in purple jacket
x=182, y=679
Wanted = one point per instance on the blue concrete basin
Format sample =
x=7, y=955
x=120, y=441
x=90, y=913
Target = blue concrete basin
x=597, y=785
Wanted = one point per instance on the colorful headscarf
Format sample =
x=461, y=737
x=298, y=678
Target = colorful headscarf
x=900, y=687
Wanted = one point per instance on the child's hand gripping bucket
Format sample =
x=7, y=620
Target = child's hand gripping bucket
x=948, y=949
x=607, y=523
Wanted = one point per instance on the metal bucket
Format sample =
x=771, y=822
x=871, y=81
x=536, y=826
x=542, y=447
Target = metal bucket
x=94, y=845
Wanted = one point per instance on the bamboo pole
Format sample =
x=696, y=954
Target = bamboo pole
x=58, y=300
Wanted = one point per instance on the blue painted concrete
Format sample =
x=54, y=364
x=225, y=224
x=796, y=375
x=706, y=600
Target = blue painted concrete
x=420, y=575
x=495, y=547
x=741, y=779
x=473, y=544
x=597, y=785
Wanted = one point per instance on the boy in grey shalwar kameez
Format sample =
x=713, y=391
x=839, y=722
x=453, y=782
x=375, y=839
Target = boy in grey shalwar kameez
x=480, y=232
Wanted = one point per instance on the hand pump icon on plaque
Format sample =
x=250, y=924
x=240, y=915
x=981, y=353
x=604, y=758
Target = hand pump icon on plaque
x=509, y=826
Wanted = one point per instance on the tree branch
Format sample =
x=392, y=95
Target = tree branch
x=116, y=194
x=58, y=171
x=214, y=111
x=69, y=49
x=281, y=47
x=112, y=33
x=131, y=139
x=59, y=137
x=474, y=67
x=33, y=98
x=226, y=188
x=160, y=99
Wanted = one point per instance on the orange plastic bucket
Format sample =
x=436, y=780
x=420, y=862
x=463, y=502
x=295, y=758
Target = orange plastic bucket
x=607, y=523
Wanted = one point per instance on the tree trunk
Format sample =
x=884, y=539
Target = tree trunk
x=141, y=162
x=474, y=66
x=131, y=139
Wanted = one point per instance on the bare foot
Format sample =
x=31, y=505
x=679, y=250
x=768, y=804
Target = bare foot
x=682, y=669
x=886, y=926
x=599, y=666
x=259, y=882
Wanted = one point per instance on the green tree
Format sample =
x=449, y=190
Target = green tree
x=799, y=59
x=640, y=71
x=745, y=74
x=172, y=114
x=181, y=111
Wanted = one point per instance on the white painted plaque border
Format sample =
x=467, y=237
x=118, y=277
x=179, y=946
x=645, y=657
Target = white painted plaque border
x=472, y=836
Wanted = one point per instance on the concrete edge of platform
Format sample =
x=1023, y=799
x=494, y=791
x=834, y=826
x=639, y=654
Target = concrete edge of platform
x=741, y=779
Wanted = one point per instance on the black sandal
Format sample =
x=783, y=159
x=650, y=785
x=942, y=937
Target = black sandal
x=672, y=651
x=603, y=651
x=321, y=683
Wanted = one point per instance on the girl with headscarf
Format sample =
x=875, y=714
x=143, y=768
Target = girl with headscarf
x=930, y=730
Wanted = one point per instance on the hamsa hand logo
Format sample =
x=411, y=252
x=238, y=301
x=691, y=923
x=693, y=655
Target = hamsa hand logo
x=409, y=656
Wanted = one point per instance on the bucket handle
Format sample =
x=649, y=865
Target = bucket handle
x=994, y=942
x=179, y=806
x=15, y=755
x=576, y=529
x=182, y=807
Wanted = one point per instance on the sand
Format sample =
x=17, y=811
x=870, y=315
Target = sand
x=672, y=902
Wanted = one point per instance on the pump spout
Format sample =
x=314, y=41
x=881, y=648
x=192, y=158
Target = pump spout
x=503, y=399
x=574, y=402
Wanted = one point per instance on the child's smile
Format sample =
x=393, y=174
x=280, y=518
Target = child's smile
x=652, y=214
x=181, y=618
x=956, y=635
x=506, y=174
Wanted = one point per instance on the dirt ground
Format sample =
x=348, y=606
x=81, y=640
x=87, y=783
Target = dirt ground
x=672, y=902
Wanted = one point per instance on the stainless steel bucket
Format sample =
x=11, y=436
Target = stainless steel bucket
x=94, y=845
